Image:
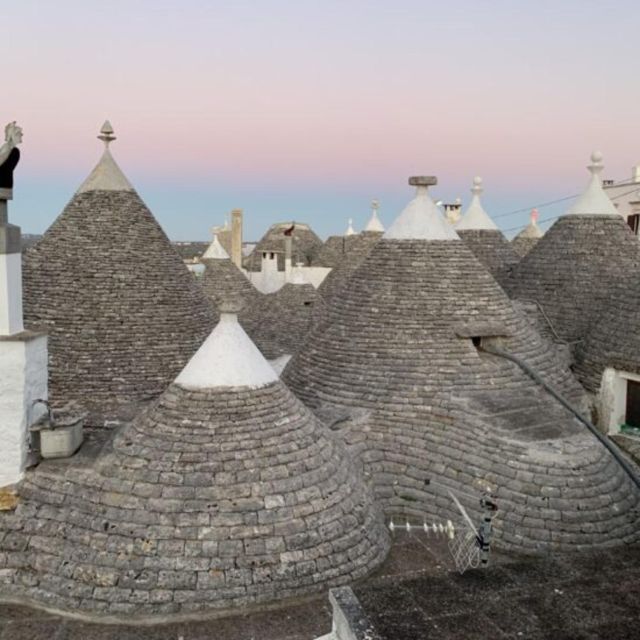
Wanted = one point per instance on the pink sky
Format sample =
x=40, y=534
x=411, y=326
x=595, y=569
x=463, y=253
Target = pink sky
x=325, y=95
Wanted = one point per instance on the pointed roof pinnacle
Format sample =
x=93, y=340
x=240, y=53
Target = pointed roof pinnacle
x=374, y=224
x=475, y=217
x=350, y=230
x=421, y=219
x=106, y=134
x=106, y=175
x=227, y=358
x=593, y=201
x=215, y=251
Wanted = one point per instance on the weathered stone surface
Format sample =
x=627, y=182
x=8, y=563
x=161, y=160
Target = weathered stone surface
x=573, y=269
x=222, y=280
x=88, y=543
x=493, y=250
x=122, y=311
x=416, y=402
x=278, y=322
x=613, y=339
x=304, y=246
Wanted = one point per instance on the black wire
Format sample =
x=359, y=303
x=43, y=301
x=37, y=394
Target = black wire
x=538, y=206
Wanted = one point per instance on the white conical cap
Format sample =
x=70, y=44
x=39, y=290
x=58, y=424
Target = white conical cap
x=227, y=358
x=593, y=200
x=350, y=230
x=106, y=175
x=421, y=219
x=475, y=217
x=215, y=251
x=532, y=230
x=374, y=223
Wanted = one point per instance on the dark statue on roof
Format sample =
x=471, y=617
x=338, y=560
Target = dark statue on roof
x=9, y=158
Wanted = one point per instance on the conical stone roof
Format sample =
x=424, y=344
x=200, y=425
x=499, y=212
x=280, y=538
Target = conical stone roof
x=279, y=322
x=226, y=492
x=397, y=367
x=484, y=238
x=374, y=224
x=614, y=337
x=345, y=262
x=524, y=241
x=573, y=268
x=304, y=245
x=222, y=280
x=122, y=311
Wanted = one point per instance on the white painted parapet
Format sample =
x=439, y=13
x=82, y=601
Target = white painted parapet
x=23, y=354
x=23, y=379
x=10, y=293
x=612, y=399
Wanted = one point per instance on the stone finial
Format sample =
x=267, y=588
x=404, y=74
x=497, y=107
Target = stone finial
x=231, y=304
x=534, y=216
x=596, y=165
x=593, y=200
x=350, y=229
x=475, y=217
x=477, y=187
x=423, y=181
x=374, y=223
x=106, y=134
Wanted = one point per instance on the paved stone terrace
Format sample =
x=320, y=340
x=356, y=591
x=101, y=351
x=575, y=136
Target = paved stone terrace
x=414, y=595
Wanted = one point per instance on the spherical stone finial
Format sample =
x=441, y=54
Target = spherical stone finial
x=477, y=188
x=423, y=181
x=106, y=133
x=596, y=165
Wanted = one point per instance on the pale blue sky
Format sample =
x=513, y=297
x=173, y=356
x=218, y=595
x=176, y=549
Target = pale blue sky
x=308, y=110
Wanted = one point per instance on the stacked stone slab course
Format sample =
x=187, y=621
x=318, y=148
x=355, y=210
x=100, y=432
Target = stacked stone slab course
x=573, y=270
x=222, y=281
x=485, y=240
x=522, y=245
x=213, y=498
x=493, y=250
x=528, y=237
x=614, y=337
x=304, y=246
x=279, y=322
x=359, y=247
x=417, y=402
x=122, y=312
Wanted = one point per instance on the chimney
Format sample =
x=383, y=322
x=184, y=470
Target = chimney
x=635, y=173
x=236, y=237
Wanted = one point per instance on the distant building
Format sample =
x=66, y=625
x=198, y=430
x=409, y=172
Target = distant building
x=626, y=198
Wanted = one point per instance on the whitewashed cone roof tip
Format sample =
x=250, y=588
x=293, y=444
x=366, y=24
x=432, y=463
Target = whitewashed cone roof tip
x=374, y=224
x=106, y=175
x=227, y=358
x=475, y=217
x=593, y=200
x=421, y=219
x=215, y=251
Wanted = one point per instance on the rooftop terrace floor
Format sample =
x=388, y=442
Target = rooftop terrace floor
x=416, y=595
